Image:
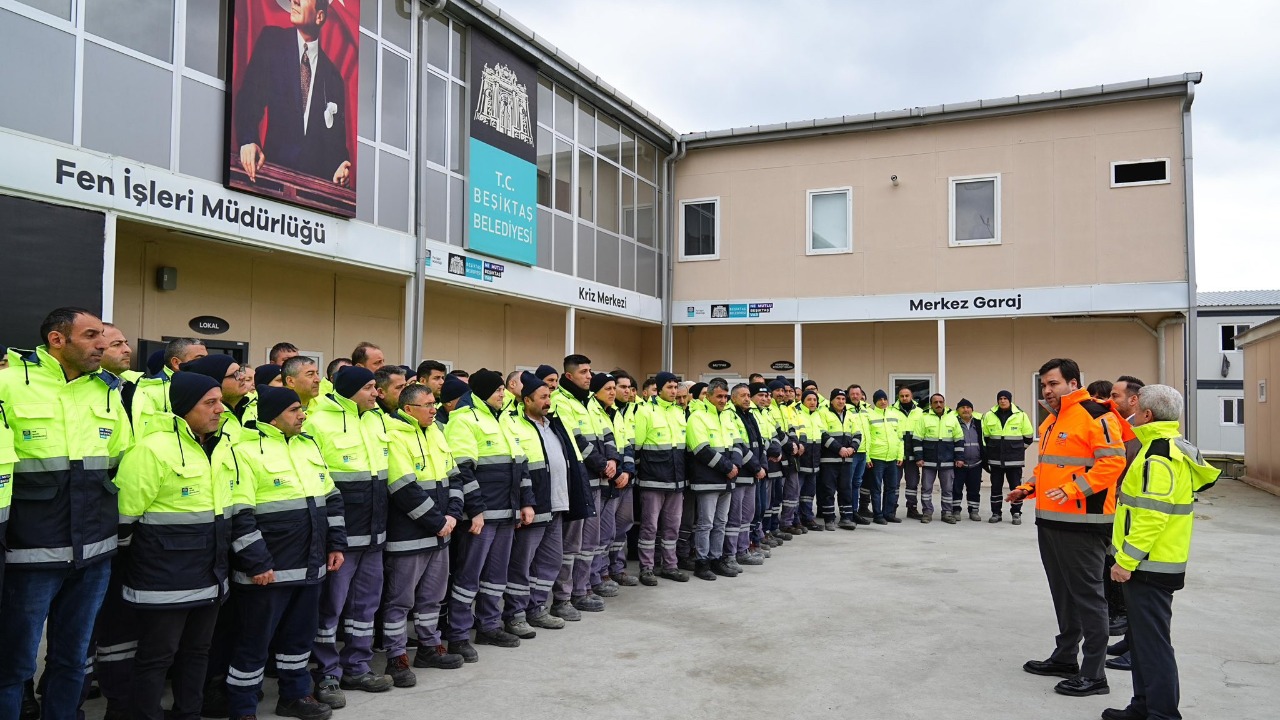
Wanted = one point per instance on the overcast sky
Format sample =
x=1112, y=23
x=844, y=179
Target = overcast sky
x=711, y=64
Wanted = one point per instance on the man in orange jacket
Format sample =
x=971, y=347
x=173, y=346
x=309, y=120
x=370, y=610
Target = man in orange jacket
x=1081, y=460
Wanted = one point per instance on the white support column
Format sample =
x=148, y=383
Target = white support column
x=799, y=353
x=109, y=267
x=942, y=356
x=570, y=329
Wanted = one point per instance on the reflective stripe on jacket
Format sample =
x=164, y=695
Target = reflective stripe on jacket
x=422, y=487
x=494, y=472
x=1007, y=442
x=660, y=446
x=355, y=449
x=937, y=439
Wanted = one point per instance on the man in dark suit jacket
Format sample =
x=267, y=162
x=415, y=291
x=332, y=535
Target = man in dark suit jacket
x=306, y=106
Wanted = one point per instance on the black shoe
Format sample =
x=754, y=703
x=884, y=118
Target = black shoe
x=464, y=648
x=368, y=682
x=702, y=570
x=437, y=657
x=305, y=708
x=880, y=521
x=674, y=574
x=1119, y=626
x=893, y=518
x=216, y=703
x=814, y=526
x=719, y=567
x=846, y=524
x=31, y=706
x=117, y=714
x=647, y=578
x=862, y=519
x=1048, y=667
x=685, y=563
x=1121, y=662
x=1080, y=686
x=497, y=638
x=401, y=675
x=995, y=518
x=913, y=514
x=1126, y=714
x=1118, y=648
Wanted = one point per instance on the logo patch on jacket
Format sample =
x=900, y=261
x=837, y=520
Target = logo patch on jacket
x=104, y=433
x=35, y=434
x=4, y=480
x=281, y=482
x=190, y=491
x=1062, y=437
x=348, y=458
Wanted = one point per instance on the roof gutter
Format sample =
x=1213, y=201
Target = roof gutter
x=1191, y=339
x=678, y=150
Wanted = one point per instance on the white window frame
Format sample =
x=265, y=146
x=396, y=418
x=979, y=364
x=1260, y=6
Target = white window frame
x=700, y=201
x=1112, y=177
x=1262, y=391
x=1237, y=408
x=808, y=238
x=1238, y=331
x=951, y=209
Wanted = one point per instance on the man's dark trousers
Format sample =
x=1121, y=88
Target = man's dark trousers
x=1155, y=669
x=1073, y=561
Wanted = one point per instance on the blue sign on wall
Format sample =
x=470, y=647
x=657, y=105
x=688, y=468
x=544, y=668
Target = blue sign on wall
x=504, y=197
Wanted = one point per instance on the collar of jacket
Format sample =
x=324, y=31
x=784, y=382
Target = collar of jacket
x=743, y=413
x=897, y=405
x=1072, y=399
x=338, y=404
x=657, y=400
x=575, y=392
x=1158, y=429
x=1013, y=409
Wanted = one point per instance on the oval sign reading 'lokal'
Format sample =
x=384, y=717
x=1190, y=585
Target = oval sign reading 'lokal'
x=783, y=365
x=209, y=325
x=719, y=365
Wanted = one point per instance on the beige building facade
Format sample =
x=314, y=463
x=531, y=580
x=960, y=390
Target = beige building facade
x=1261, y=348
x=953, y=249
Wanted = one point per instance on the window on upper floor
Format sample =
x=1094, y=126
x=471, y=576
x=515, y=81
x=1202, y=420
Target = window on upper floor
x=700, y=229
x=1227, y=336
x=974, y=202
x=1232, y=411
x=830, y=221
x=1129, y=173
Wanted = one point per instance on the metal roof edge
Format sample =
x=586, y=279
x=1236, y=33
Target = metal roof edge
x=1258, y=333
x=1164, y=86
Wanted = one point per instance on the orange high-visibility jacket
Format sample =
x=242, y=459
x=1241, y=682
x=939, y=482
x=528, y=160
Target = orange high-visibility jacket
x=1081, y=452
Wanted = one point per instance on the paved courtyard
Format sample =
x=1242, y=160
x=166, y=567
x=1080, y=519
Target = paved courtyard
x=904, y=621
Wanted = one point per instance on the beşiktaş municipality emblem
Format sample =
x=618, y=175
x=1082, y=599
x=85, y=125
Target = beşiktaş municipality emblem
x=504, y=103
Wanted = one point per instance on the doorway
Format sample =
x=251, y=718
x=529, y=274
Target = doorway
x=921, y=385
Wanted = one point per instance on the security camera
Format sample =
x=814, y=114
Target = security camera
x=894, y=179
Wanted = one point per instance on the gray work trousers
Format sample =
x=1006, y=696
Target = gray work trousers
x=708, y=526
x=945, y=477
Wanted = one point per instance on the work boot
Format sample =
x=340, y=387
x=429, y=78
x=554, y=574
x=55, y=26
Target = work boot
x=685, y=563
x=949, y=518
x=862, y=519
x=606, y=589
x=625, y=580
x=731, y=563
x=995, y=518
x=880, y=521
x=783, y=535
x=588, y=603
x=702, y=570
x=436, y=657
x=814, y=526
x=465, y=649
x=565, y=610
x=847, y=524
x=674, y=574
x=913, y=514
x=1017, y=519
x=366, y=682
x=925, y=518
x=519, y=626
x=497, y=637
x=401, y=675
x=769, y=542
x=893, y=518
x=747, y=558
x=831, y=525
x=757, y=554
x=718, y=567
x=540, y=618
x=305, y=708
x=328, y=692
x=647, y=578
x=974, y=516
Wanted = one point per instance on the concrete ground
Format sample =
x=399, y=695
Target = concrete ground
x=903, y=621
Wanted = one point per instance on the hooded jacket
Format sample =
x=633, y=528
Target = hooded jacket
x=660, y=434
x=422, y=486
x=355, y=448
